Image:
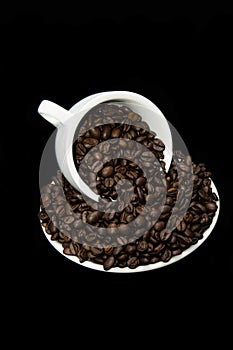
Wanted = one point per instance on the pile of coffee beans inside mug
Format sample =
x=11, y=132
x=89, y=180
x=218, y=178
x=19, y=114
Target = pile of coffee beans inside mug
x=141, y=231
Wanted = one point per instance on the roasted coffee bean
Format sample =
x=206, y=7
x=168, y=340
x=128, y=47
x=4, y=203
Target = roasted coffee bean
x=158, y=145
x=109, y=262
x=80, y=149
x=108, y=250
x=122, y=257
x=166, y=209
x=109, y=182
x=166, y=255
x=94, y=216
x=142, y=246
x=211, y=206
x=204, y=195
x=159, y=248
x=159, y=225
x=144, y=261
x=132, y=262
x=106, y=132
x=130, y=249
x=140, y=195
x=204, y=218
x=140, y=181
x=188, y=217
x=183, y=239
x=132, y=174
x=121, y=240
x=107, y=171
x=117, y=250
x=96, y=251
x=95, y=133
x=133, y=116
x=188, y=233
x=90, y=142
x=52, y=227
x=176, y=252
x=164, y=235
x=181, y=226
x=116, y=132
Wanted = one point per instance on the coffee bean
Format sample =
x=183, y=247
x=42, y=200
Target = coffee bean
x=188, y=233
x=96, y=251
x=188, y=217
x=122, y=257
x=106, y=132
x=109, y=182
x=142, y=246
x=109, y=262
x=80, y=149
x=159, y=247
x=132, y=174
x=132, y=262
x=107, y=171
x=166, y=255
x=183, y=239
x=140, y=195
x=133, y=116
x=158, y=145
x=140, y=181
x=60, y=210
x=130, y=249
x=108, y=250
x=166, y=209
x=43, y=216
x=181, y=226
x=204, y=218
x=159, y=225
x=116, y=132
x=121, y=240
x=211, y=206
x=52, y=227
x=93, y=217
x=95, y=132
x=164, y=235
x=117, y=250
x=90, y=142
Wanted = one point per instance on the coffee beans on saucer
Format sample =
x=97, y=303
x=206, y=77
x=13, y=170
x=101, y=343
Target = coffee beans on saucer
x=143, y=231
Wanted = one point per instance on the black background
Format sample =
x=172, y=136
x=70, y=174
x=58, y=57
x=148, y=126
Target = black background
x=179, y=58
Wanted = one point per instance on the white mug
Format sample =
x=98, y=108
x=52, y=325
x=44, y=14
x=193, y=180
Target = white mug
x=67, y=122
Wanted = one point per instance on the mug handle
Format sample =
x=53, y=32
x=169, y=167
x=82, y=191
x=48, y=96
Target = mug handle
x=53, y=113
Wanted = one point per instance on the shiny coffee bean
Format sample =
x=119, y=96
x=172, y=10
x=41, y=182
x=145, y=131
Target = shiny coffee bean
x=109, y=262
x=107, y=171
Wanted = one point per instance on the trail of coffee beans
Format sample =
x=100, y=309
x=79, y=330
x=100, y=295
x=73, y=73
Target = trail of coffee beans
x=153, y=236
